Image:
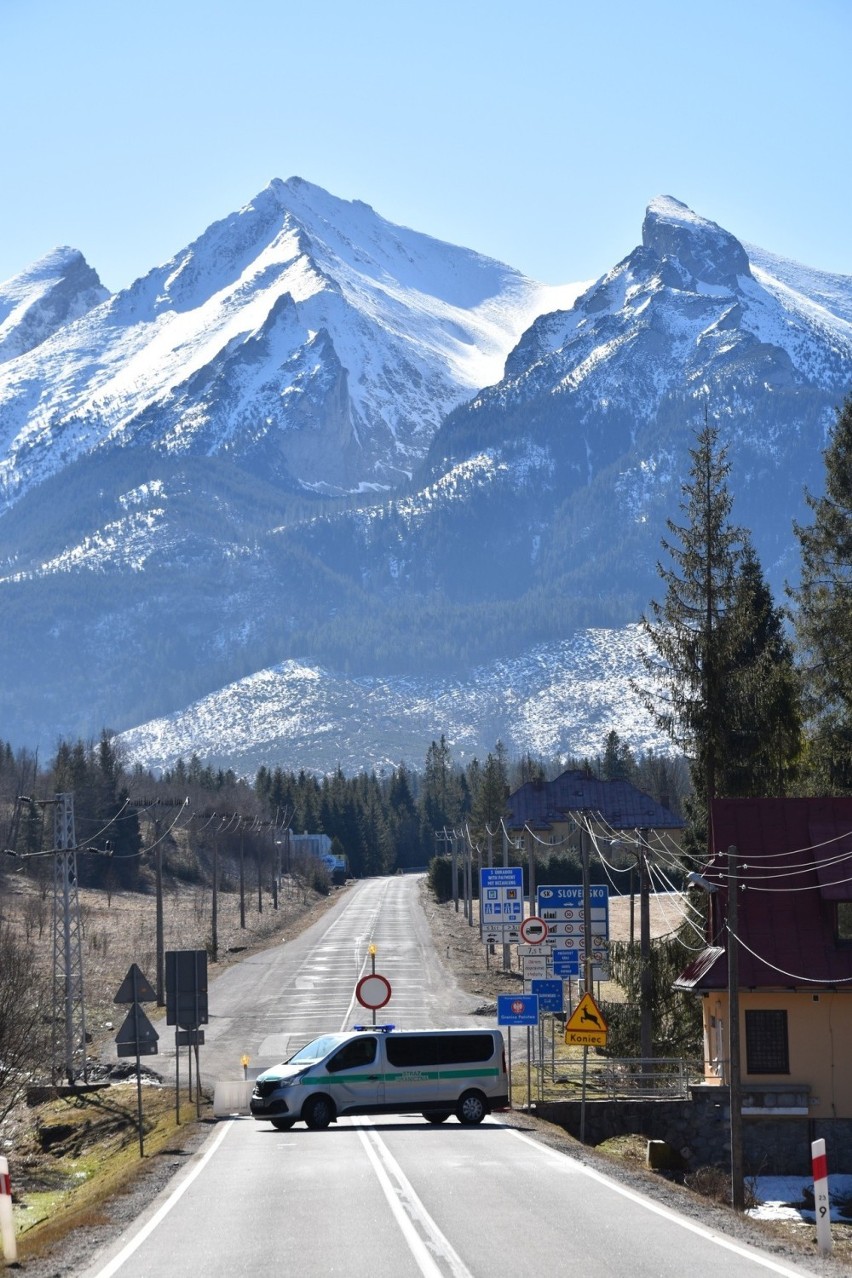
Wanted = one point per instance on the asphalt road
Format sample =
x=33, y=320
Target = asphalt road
x=274, y=1002
x=389, y=1197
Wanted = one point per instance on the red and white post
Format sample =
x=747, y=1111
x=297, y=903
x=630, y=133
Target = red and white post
x=7, y=1224
x=822, y=1203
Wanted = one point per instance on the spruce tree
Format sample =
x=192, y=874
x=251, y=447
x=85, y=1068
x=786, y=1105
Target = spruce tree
x=824, y=613
x=762, y=697
x=732, y=700
x=690, y=629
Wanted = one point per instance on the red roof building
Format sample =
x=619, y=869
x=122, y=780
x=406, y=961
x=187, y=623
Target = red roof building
x=791, y=868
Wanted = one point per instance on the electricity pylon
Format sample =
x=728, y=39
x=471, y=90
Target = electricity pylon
x=68, y=1007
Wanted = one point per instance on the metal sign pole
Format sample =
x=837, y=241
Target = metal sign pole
x=583, y=1098
x=177, y=1079
x=509, y=1046
x=197, y=1079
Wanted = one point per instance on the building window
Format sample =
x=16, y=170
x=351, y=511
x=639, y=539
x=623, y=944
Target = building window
x=767, y=1050
x=843, y=922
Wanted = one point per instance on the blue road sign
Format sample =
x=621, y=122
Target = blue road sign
x=549, y=995
x=570, y=897
x=501, y=899
x=517, y=1009
x=566, y=962
x=502, y=876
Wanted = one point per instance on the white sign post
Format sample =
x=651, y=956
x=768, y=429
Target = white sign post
x=822, y=1203
x=7, y=1223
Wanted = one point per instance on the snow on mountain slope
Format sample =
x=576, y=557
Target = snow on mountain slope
x=303, y=329
x=56, y=289
x=684, y=300
x=559, y=699
x=832, y=291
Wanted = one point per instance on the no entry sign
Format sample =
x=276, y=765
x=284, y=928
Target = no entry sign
x=373, y=991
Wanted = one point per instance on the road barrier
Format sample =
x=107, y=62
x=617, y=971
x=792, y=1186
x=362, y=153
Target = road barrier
x=232, y=1097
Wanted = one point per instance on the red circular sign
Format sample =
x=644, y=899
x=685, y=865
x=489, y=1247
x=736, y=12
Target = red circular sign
x=373, y=991
x=533, y=930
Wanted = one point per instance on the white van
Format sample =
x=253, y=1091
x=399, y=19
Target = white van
x=381, y=1070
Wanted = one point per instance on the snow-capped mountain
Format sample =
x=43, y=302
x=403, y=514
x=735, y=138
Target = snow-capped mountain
x=558, y=700
x=612, y=390
x=303, y=336
x=37, y=303
x=173, y=459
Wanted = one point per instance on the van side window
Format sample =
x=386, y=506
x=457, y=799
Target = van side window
x=416, y=1052
x=359, y=1051
x=453, y=1049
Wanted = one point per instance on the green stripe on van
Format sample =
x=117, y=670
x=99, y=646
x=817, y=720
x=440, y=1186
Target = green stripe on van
x=414, y=1076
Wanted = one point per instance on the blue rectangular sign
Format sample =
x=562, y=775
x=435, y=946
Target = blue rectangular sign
x=517, y=1009
x=571, y=897
x=502, y=876
x=566, y=962
x=550, y=995
x=501, y=898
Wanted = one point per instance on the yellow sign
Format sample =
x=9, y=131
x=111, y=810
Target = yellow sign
x=586, y=1026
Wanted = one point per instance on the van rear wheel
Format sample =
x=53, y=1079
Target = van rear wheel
x=282, y=1124
x=471, y=1108
x=437, y=1117
x=318, y=1112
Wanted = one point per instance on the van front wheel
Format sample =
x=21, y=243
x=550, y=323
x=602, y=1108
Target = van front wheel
x=471, y=1108
x=318, y=1112
x=440, y=1117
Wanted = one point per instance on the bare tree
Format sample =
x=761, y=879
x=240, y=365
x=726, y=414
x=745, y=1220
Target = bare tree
x=23, y=1005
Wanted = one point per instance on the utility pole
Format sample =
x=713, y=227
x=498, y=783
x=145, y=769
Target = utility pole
x=68, y=1004
x=530, y=841
x=646, y=976
x=161, y=984
x=506, y=948
x=735, y=1081
x=455, y=869
x=588, y=982
x=214, y=912
x=259, y=867
x=242, y=877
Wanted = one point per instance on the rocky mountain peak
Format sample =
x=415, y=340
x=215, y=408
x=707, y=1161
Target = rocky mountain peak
x=52, y=292
x=709, y=253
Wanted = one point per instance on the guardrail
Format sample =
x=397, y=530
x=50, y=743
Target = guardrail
x=628, y=1078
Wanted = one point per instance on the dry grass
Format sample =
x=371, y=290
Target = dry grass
x=70, y=1155
x=119, y=928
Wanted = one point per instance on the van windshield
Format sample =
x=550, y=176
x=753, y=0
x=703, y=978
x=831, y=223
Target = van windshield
x=317, y=1049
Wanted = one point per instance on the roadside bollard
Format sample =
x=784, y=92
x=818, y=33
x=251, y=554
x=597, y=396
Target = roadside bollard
x=7, y=1224
x=822, y=1202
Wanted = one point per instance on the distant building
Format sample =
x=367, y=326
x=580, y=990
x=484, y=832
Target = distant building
x=545, y=808
x=319, y=845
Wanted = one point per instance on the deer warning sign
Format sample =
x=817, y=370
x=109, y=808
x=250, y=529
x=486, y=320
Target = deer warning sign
x=586, y=1026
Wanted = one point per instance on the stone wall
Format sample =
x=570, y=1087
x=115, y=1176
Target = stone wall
x=699, y=1129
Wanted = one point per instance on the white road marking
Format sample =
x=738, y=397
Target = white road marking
x=126, y=1252
x=659, y=1210
x=408, y=1209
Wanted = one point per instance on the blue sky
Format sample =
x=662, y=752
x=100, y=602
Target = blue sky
x=534, y=132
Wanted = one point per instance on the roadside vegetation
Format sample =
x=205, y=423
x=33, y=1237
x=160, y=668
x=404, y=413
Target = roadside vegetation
x=756, y=701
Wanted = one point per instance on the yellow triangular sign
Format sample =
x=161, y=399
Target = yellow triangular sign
x=586, y=1016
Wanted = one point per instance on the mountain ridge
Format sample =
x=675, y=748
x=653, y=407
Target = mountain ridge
x=252, y=515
